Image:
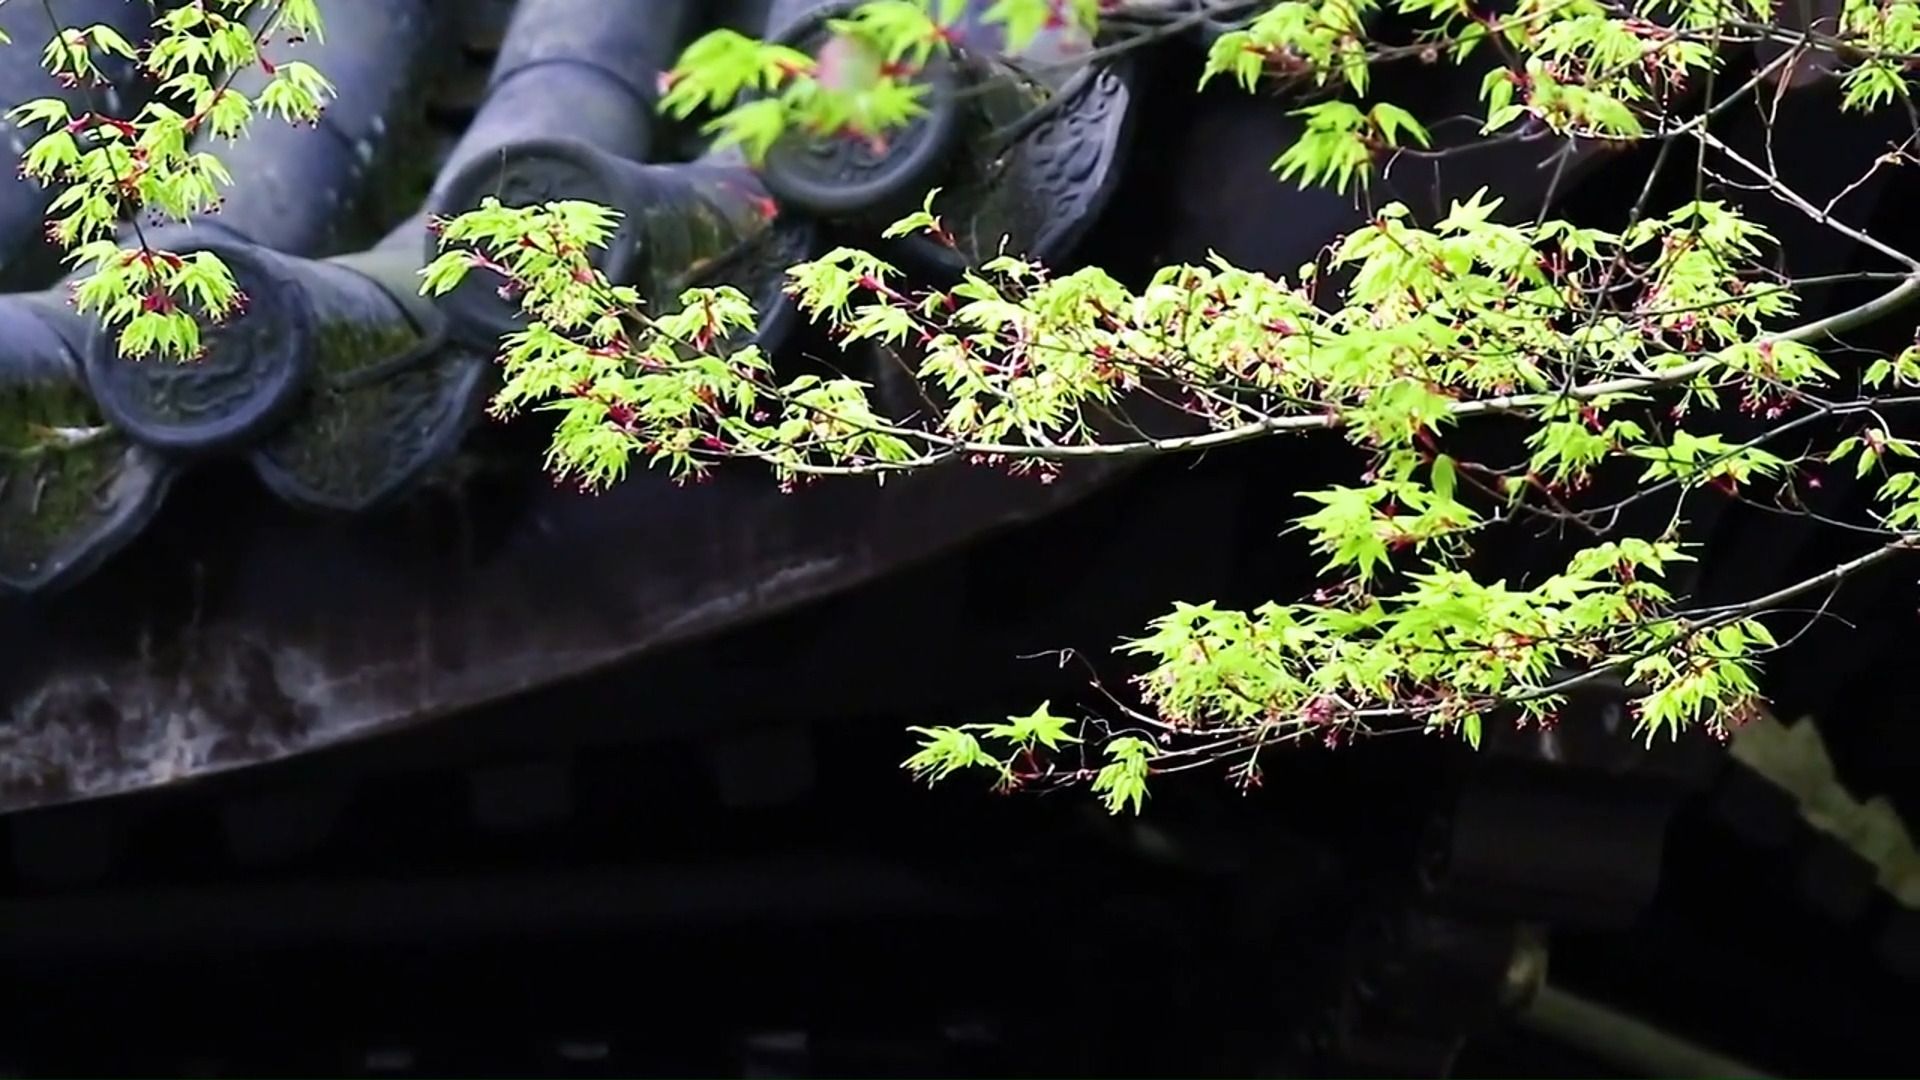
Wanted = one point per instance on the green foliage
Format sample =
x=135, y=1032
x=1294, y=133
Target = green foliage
x=1340, y=141
x=1431, y=326
x=1614, y=353
x=1122, y=781
x=1322, y=42
x=1467, y=317
x=862, y=83
x=156, y=162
